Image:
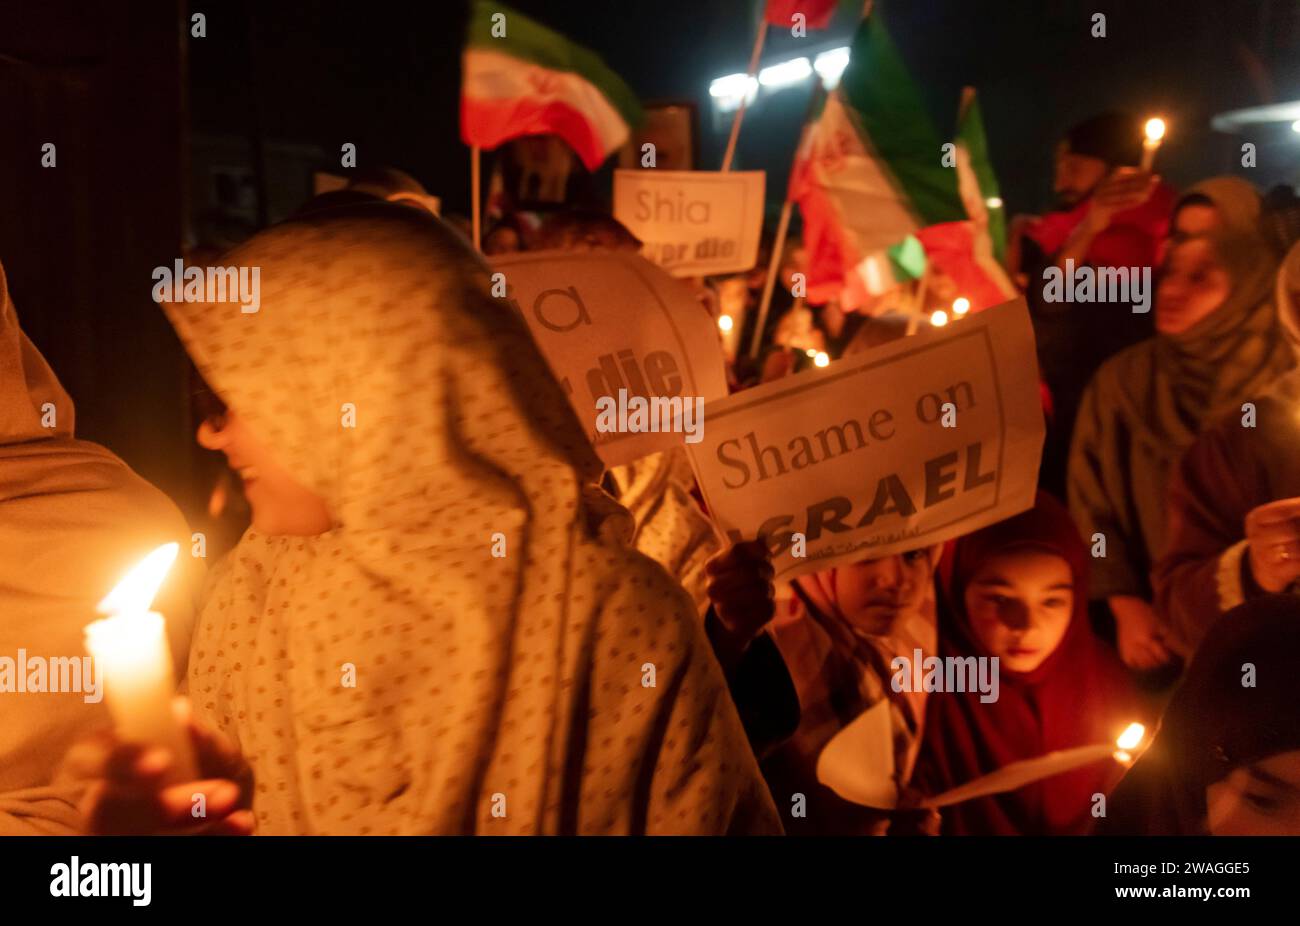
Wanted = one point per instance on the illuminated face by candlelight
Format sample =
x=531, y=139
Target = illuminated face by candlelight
x=1019, y=606
x=281, y=505
x=1259, y=799
x=875, y=595
x=1193, y=284
x=1077, y=175
x=1195, y=216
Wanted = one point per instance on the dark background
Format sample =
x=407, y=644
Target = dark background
x=152, y=124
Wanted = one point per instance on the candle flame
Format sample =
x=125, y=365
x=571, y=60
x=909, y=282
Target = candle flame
x=136, y=591
x=821, y=358
x=725, y=322
x=1131, y=737
x=1155, y=129
x=960, y=306
x=939, y=318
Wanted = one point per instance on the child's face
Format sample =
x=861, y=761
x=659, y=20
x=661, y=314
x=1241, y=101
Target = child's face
x=281, y=505
x=1019, y=606
x=875, y=595
x=1260, y=799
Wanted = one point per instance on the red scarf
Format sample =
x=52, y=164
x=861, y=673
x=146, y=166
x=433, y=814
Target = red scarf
x=1080, y=695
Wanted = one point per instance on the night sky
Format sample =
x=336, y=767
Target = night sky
x=386, y=76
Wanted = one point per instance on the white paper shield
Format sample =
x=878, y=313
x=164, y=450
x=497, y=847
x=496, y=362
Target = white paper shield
x=858, y=762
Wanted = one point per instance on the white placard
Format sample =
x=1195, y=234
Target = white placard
x=693, y=222
x=857, y=457
x=607, y=321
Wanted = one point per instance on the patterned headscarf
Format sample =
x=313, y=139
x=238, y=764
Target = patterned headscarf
x=563, y=687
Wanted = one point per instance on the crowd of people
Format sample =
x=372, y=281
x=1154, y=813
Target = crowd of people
x=620, y=669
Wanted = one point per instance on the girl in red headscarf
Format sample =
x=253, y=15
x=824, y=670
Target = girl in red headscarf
x=1017, y=591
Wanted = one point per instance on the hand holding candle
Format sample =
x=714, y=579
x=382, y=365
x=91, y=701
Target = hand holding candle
x=131, y=646
x=128, y=791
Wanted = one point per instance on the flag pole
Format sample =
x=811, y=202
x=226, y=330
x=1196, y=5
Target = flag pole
x=783, y=226
x=919, y=308
x=769, y=285
x=744, y=96
x=474, y=195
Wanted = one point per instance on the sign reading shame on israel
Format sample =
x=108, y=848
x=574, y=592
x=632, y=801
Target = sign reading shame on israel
x=910, y=444
x=633, y=348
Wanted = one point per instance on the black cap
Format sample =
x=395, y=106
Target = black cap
x=1114, y=137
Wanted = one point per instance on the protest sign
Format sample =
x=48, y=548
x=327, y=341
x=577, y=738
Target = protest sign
x=611, y=322
x=693, y=222
x=907, y=445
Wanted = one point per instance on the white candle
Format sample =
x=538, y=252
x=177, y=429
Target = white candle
x=1155, y=134
x=130, y=645
x=1018, y=774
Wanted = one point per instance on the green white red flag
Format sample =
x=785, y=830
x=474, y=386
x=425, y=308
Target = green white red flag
x=871, y=182
x=521, y=78
x=970, y=252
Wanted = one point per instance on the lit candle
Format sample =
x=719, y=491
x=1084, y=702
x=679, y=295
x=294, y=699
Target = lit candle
x=960, y=306
x=1018, y=774
x=1155, y=134
x=131, y=646
x=938, y=318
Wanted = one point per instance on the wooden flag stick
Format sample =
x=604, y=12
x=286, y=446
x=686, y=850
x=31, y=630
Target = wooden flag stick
x=773, y=266
x=918, y=307
x=474, y=196
x=744, y=97
x=783, y=226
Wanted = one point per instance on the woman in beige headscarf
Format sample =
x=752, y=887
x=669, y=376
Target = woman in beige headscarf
x=1217, y=344
x=466, y=644
x=73, y=520
x=1234, y=501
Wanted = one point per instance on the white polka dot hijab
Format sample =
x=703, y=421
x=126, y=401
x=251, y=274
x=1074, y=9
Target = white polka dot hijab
x=393, y=675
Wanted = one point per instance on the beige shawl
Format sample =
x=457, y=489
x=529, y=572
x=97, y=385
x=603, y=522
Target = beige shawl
x=73, y=520
x=564, y=687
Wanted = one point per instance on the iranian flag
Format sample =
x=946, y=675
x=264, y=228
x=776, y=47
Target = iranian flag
x=970, y=252
x=878, y=201
x=817, y=13
x=521, y=78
